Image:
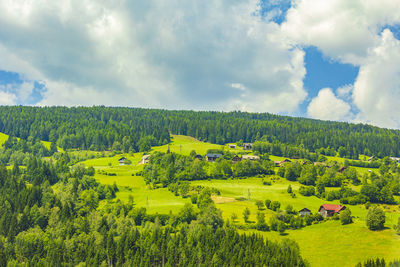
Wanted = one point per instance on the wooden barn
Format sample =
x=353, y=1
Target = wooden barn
x=236, y=159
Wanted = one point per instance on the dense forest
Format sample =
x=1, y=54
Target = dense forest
x=50, y=216
x=135, y=129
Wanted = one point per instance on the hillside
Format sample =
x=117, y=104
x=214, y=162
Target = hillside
x=134, y=129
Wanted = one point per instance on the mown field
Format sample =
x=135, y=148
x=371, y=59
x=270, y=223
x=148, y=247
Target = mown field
x=324, y=244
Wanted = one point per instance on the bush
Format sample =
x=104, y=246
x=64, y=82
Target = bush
x=345, y=217
x=307, y=190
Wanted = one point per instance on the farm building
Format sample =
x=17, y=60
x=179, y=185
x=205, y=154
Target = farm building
x=121, y=161
x=236, y=159
x=304, y=212
x=371, y=158
x=328, y=210
x=280, y=163
x=341, y=170
x=212, y=157
x=145, y=159
x=247, y=146
x=232, y=146
x=250, y=157
x=199, y=157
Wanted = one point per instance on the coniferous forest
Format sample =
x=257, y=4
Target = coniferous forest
x=99, y=128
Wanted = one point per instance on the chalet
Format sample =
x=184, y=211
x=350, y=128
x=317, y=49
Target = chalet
x=145, y=159
x=371, y=158
x=341, y=170
x=304, y=212
x=199, y=157
x=121, y=161
x=232, y=146
x=212, y=157
x=236, y=159
x=328, y=210
x=250, y=157
x=247, y=146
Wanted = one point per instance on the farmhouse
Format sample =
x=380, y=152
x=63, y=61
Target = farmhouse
x=328, y=210
x=145, y=159
x=247, y=146
x=199, y=157
x=250, y=157
x=236, y=159
x=121, y=161
x=304, y=212
x=232, y=146
x=212, y=157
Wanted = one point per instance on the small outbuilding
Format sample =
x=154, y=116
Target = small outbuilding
x=304, y=212
x=121, y=161
x=199, y=157
x=232, y=146
x=247, y=146
x=328, y=210
x=236, y=159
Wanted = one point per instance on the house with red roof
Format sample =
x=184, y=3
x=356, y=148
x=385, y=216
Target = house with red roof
x=328, y=210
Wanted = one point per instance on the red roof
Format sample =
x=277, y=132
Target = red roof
x=333, y=207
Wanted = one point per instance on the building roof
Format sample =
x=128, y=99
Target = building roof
x=305, y=209
x=123, y=158
x=250, y=157
x=332, y=207
x=212, y=155
x=145, y=157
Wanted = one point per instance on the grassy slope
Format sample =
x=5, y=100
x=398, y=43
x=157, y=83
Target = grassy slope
x=325, y=244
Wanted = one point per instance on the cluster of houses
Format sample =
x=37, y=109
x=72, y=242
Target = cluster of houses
x=326, y=210
x=212, y=157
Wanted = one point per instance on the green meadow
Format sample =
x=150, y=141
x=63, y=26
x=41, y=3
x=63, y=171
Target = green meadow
x=323, y=244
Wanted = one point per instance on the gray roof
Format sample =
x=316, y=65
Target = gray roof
x=211, y=155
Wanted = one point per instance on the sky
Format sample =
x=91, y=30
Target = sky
x=330, y=60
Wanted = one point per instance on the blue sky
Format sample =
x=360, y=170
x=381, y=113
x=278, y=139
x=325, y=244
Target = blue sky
x=331, y=60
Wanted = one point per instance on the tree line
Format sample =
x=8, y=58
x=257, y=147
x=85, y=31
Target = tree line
x=100, y=128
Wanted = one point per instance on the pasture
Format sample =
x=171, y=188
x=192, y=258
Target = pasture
x=323, y=244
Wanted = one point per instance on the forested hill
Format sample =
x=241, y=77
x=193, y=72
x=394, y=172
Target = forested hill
x=99, y=128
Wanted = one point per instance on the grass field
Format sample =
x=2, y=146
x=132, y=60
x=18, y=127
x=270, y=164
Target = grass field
x=325, y=244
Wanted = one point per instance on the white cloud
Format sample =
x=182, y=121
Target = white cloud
x=327, y=106
x=342, y=29
x=377, y=88
x=7, y=98
x=158, y=53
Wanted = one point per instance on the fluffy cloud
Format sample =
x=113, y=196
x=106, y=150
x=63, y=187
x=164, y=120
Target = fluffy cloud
x=351, y=32
x=342, y=29
x=327, y=106
x=377, y=88
x=173, y=54
x=7, y=98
